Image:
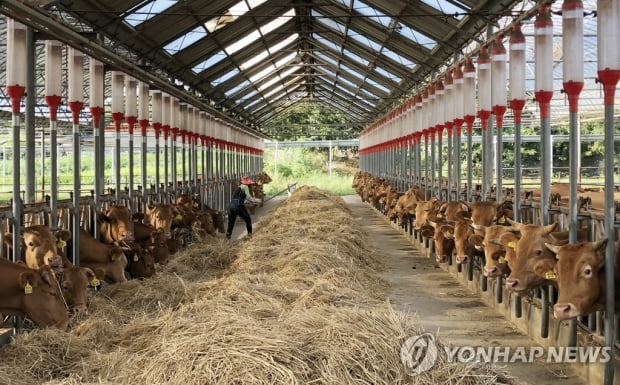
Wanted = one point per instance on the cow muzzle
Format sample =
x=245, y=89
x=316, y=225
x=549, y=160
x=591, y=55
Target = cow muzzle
x=127, y=236
x=563, y=311
x=491, y=273
x=461, y=259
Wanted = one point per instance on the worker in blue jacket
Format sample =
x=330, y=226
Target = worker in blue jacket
x=237, y=206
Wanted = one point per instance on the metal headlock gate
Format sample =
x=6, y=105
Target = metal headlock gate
x=185, y=147
x=402, y=148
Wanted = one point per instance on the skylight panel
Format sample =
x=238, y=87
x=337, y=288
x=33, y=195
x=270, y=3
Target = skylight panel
x=262, y=31
x=238, y=88
x=248, y=96
x=271, y=50
x=233, y=13
x=327, y=42
x=358, y=58
x=416, y=36
x=397, y=58
x=330, y=23
x=278, y=88
x=377, y=85
x=277, y=77
x=225, y=77
x=186, y=40
x=345, y=81
x=150, y=9
x=372, y=13
x=326, y=58
x=446, y=7
x=387, y=74
x=211, y=61
x=361, y=38
x=351, y=72
x=285, y=60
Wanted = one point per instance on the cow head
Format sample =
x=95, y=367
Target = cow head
x=74, y=282
x=115, y=225
x=580, y=274
x=443, y=238
x=494, y=252
x=161, y=216
x=528, y=251
x=141, y=263
x=112, y=268
x=424, y=210
x=462, y=241
x=39, y=247
x=158, y=246
x=34, y=293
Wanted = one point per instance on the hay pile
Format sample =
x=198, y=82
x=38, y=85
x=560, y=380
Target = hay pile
x=299, y=303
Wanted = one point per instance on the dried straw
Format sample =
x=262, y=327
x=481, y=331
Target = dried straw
x=299, y=303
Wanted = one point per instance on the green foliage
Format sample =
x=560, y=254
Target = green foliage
x=308, y=166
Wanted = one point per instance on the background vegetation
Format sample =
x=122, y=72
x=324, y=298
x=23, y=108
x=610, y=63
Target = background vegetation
x=310, y=166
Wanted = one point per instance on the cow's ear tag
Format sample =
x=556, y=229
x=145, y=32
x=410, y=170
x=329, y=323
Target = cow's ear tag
x=95, y=282
x=447, y=234
x=512, y=244
x=196, y=205
x=135, y=258
x=501, y=260
x=61, y=243
x=550, y=275
x=557, y=256
x=28, y=288
x=501, y=220
x=439, y=215
x=179, y=217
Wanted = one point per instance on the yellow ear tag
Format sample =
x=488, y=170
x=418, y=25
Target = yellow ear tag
x=501, y=220
x=447, y=234
x=550, y=275
x=557, y=256
x=439, y=215
x=135, y=258
x=95, y=281
x=501, y=260
x=28, y=288
x=61, y=243
x=512, y=244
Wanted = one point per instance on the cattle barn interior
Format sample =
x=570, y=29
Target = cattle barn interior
x=464, y=116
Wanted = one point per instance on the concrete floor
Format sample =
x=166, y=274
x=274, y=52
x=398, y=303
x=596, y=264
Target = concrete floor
x=441, y=304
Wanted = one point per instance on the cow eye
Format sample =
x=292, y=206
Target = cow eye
x=539, y=252
x=31, y=244
x=587, y=271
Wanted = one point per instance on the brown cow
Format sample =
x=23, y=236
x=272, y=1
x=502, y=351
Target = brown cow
x=463, y=242
x=140, y=261
x=107, y=261
x=115, y=225
x=74, y=282
x=495, y=264
x=161, y=216
x=443, y=237
x=528, y=251
x=424, y=210
x=38, y=247
x=32, y=293
x=153, y=239
x=580, y=274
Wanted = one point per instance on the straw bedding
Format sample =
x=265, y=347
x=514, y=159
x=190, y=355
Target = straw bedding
x=299, y=303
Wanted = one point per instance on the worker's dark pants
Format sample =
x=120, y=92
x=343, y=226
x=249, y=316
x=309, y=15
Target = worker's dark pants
x=241, y=211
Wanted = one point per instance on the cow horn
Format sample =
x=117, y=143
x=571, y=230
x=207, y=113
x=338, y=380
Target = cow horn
x=553, y=248
x=550, y=228
x=477, y=227
x=600, y=244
